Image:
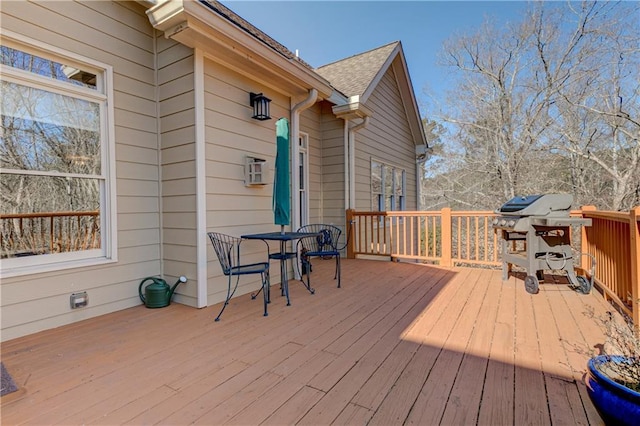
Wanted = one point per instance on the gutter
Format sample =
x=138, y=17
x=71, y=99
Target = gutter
x=422, y=153
x=419, y=184
x=350, y=161
x=351, y=110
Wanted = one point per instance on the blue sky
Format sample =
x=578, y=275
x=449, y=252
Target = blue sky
x=327, y=31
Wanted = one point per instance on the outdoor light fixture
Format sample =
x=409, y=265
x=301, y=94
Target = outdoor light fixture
x=260, y=104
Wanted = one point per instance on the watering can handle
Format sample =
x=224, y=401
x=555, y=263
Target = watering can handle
x=154, y=279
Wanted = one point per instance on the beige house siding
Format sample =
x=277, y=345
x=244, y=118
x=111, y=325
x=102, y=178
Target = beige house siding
x=176, y=100
x=333, y=168
x=118, y=34
x=231, y=135
x=387, y=139
x=182, y=136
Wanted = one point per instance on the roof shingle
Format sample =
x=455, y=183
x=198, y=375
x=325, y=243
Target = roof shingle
x=353, y=75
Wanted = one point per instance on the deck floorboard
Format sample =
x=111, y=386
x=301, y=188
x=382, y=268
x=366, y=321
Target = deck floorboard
x=400, y=343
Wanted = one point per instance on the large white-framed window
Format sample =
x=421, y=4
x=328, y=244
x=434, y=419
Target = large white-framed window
x=388, y=187
x=57, y=202
x=303, y=177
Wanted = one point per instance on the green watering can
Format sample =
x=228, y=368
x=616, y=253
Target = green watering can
x=158, y=293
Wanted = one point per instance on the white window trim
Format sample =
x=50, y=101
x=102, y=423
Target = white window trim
x=108, y=253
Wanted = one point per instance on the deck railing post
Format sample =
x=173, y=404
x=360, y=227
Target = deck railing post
x=445, y=232
x=634, y=252
x=585, y=261
x=351, y=241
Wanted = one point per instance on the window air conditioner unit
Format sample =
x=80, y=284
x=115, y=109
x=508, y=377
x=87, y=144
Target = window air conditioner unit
x=256, y=172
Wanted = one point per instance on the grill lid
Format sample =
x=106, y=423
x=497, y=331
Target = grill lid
x=537, y=205
x=518, y=203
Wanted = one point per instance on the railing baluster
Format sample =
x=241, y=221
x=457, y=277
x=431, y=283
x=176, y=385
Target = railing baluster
x=477, y=234
x=52, y=234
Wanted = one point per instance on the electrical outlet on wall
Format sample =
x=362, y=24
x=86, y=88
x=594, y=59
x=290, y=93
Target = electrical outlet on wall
x=79, y=300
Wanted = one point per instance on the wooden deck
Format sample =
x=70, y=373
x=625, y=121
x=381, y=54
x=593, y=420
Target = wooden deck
x=398, y=344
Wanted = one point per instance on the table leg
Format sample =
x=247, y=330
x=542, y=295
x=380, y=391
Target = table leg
x=283, y=270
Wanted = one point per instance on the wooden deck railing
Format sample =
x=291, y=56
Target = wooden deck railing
x=613, y=240
x=27, y=234
x=452, y=238
x=446, y=237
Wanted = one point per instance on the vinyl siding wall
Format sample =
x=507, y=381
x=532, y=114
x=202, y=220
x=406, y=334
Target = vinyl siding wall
x=118, y=34
x=333, y=168
x=387, y=139
x=178, y=165
x=231, y=135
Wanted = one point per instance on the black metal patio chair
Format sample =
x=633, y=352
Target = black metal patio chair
x=227, y=249
x=324, y=246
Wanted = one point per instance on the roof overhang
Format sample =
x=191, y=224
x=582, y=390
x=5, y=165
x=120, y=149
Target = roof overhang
x=195, y=25
x=352, y=109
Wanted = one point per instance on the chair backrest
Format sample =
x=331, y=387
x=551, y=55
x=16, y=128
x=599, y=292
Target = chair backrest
x=227, y=249
x=327, y=240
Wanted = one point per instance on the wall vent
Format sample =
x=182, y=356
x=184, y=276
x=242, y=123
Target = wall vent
x=256, y=172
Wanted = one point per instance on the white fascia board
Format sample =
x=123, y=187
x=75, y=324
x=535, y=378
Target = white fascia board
x=409, y=100
x=149, y=3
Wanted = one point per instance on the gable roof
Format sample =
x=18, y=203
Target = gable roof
x=358, y=76
x=354, y=75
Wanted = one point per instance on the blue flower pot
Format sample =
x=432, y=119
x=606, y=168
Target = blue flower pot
x=617, y=404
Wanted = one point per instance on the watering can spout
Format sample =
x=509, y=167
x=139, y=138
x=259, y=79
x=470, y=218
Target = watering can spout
x=182, y=279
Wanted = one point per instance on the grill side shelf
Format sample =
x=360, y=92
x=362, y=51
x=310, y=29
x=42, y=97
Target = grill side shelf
x=559, y=221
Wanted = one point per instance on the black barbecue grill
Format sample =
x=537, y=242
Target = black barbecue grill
x=543, y=223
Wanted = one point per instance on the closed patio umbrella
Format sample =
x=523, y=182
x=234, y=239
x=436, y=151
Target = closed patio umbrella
x=282, y=182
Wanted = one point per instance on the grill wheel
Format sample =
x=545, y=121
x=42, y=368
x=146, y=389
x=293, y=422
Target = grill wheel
x=531, y=284
x=585, y=284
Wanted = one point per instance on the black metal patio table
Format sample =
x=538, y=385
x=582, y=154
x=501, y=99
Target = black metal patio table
x=283, y=255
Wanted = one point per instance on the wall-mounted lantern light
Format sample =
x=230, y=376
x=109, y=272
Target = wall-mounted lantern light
x=260, y=104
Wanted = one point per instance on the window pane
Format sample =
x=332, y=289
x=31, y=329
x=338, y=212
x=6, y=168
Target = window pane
x=44, y=214
x=36, y=194
x=301, y=171
x=388, y=181
x=47, y=68
x=45, y=131
x=398, y=182
x=376, y=177
x=303, y=208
